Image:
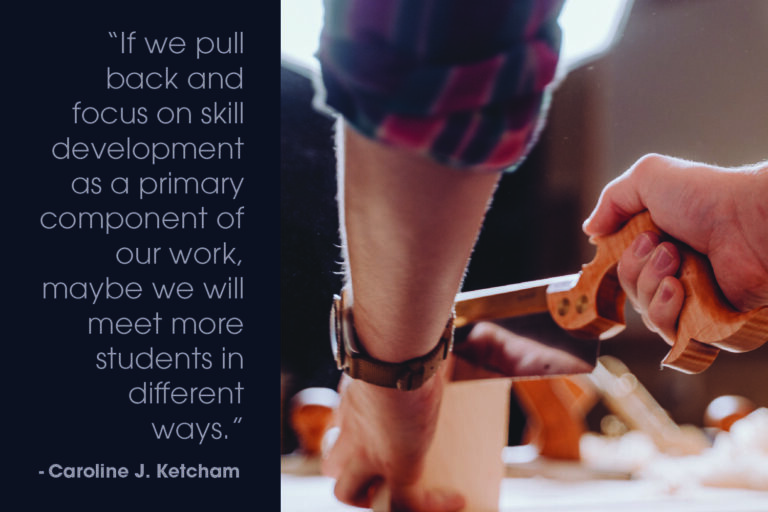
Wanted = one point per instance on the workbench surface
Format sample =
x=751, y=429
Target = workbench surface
x=315, y=494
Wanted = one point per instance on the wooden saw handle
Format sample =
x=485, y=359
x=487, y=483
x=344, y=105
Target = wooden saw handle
x=594, y=306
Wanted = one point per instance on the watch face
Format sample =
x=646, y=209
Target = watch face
x=336, y=331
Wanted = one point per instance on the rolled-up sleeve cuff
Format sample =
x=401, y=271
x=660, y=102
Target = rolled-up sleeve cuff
x=466, y=86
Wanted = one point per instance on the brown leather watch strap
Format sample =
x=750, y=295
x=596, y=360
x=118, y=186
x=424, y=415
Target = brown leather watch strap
x=355, y=362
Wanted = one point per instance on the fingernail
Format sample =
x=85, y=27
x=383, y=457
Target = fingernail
x=642, y=246
x=662, y=258
x=449, y=499
x=666, y=292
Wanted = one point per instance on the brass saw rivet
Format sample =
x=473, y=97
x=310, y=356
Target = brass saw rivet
x=581, y=304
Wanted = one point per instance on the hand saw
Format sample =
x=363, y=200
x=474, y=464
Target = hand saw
x=554, y=326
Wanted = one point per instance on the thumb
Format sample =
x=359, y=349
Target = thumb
x=617, y=204
x=420, y=499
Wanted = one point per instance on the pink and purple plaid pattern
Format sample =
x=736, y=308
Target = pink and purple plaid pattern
x=465, y=83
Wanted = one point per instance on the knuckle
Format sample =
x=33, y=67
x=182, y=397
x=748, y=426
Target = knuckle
x=649, y=161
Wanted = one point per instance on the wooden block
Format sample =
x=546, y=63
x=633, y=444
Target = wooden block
x=466, y=453
x=472, y=431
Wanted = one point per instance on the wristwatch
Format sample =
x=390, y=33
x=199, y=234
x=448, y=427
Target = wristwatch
x=352, y=359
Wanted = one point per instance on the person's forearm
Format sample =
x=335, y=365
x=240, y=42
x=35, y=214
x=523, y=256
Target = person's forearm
x=409, y=228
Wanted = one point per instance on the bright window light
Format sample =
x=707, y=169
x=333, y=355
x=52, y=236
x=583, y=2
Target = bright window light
x=300, y=25
x=590, y=27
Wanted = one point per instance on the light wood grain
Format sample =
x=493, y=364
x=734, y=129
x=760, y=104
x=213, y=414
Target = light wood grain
x=465, y=455
x=472, y=430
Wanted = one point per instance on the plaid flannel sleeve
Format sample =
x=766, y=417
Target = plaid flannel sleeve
x=466, y=83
